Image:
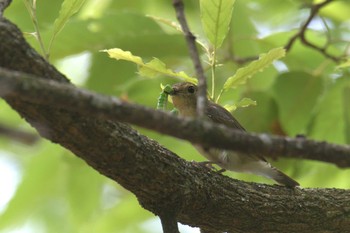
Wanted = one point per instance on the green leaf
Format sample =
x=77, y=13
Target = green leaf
x=245, y=102
x=151, y=69
x=329, y=123
x=243, y=74
x=167, y=22
x=117, y=76
x=261, y=117
x=68, y=8
x=346, y=101
x=30, y=193
x=82, y=207
x=176, y=26
x=103, y=32
x=345, y=64
x=124, y=55
x=216, y=18
x=297, y=94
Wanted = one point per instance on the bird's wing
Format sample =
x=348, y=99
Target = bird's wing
x=220, y=115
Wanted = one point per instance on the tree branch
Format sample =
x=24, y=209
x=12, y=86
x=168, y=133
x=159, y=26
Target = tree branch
x=191, y=44
x=169, y=223
x=301, y=34
x=160, y=179
x=18, y=135
x=3, y=5
x=40, y=91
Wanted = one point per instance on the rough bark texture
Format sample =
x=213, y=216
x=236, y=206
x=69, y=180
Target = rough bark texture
x=40, y=91
x=164, y=183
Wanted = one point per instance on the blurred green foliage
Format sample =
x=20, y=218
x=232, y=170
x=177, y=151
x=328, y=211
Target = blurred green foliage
x=303, y=93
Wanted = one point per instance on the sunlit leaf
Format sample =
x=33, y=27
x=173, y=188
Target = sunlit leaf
x=245, y=102
x=216, y=18
x=150, y=69
x=243, y=74
x=124, y=55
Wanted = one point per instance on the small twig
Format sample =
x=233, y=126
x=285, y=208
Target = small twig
x=18, y=135
x=3, y=5
x=191, y=44
x=169, y=224
x=301, y=34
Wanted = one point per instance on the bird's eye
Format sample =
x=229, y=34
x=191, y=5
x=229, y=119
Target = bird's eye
x=190, y=89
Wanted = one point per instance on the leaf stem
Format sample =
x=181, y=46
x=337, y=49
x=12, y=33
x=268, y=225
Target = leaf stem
x=221, y=91
x=31, y=7
x=213, y=66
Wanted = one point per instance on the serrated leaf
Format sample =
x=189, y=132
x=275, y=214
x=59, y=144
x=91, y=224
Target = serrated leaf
x=124, y=55
x=150, y=69
x=153, y=68
x=243, y=74
x=245, y=102
x=68, y=8
x=216, y=18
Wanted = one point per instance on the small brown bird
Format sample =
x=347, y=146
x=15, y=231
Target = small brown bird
x=184, y=97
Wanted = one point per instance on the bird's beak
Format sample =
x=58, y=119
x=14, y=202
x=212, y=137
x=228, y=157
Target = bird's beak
x=173, y=91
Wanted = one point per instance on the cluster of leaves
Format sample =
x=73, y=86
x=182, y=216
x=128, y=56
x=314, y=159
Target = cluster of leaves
x=216, y=19
x=303, y=93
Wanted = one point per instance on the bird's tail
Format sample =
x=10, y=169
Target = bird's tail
x=282, y=178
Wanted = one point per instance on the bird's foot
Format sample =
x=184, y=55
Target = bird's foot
x=209, y=165
x=221, y=170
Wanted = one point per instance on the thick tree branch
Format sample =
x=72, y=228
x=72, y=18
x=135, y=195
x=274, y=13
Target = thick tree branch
x=3, y=5
x=191, y=44
x=159, y=178
x=65, y=96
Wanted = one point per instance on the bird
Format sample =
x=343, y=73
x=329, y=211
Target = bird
x=184, y=98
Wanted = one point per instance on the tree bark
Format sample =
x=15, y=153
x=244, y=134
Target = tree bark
x=40, y=91
x=160, y=179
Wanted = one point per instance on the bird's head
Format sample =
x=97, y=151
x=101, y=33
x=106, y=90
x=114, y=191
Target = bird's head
x=184, y=97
